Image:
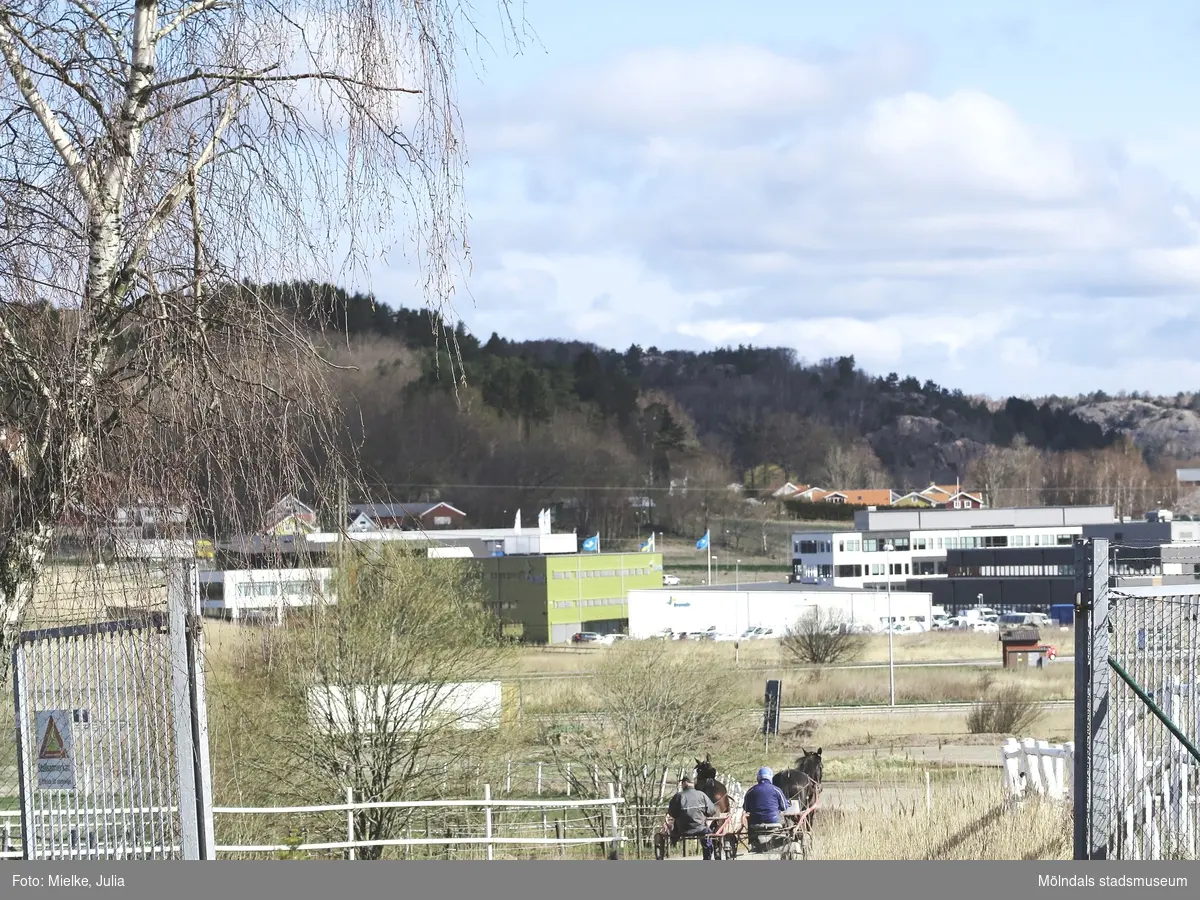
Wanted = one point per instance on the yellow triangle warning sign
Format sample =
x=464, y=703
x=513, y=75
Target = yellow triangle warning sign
x=53, y=746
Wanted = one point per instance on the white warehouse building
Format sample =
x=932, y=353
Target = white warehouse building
x=888, y=546
x=732, y=610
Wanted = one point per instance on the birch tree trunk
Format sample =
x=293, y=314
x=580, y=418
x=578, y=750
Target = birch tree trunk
x=157, y=158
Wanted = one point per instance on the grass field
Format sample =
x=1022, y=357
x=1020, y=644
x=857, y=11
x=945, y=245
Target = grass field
x=967, y=818
x=929, y=647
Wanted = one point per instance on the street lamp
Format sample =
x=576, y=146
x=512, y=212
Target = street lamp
x=887, y=548
x=717, y=568
x=737, y=570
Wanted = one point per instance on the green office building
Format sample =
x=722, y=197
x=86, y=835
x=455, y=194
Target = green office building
x=552, y=597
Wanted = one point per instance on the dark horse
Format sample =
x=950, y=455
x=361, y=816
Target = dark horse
x=706, y=783
x=802, y=782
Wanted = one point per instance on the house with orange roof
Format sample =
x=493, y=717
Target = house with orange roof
x=915, y=500
x=787, y=490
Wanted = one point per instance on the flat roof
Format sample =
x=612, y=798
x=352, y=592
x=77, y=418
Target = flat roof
x=796, y=586
x=1000, y=517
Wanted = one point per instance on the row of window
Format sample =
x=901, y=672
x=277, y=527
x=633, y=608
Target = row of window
x=602, y=601
x=965, y=542
x=278, y=588
x=605, y=573
x=1011, y=571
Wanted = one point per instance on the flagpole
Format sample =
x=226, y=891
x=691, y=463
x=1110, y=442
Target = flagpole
x=708, y=551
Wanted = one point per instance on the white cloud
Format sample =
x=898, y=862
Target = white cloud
x=735, y=194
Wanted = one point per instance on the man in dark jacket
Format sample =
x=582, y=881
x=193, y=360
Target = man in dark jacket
x=764, y=803
x=690, y=810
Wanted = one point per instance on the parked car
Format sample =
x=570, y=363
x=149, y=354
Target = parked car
x=940, y=623
x=609, y=639
x=670, y=580
x=907, y=628
x=984, y=626
x=585, y=637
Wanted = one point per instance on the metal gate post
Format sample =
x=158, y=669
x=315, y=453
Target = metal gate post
x=178, y=606
x=1093, y=749
x=24, y=749
x=199, y=718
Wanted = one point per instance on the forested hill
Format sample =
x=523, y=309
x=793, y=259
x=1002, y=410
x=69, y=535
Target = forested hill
x=753, y=413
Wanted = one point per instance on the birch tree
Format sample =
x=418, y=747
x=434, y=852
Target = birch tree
x=155, y=157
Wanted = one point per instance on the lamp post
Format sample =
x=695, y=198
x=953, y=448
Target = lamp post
x=737, y=570
x=887, y=548
x=717, y=568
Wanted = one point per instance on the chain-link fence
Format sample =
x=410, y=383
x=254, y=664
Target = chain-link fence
x=1138, y=714
x=109, y=759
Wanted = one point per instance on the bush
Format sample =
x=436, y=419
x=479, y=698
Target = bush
x=823, y=638
x=1011, y=712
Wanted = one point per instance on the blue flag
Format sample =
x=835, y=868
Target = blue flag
x=592, y=544
x=702, y=544
x=647, y=545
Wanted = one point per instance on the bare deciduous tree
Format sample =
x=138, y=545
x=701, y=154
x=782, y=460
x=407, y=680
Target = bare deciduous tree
x=659, y=708
x=822, y=637
x=154, y=156
x=369, y=689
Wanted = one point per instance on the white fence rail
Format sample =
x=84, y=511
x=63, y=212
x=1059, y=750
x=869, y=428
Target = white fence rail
x=1039, y=767
x=526, y=833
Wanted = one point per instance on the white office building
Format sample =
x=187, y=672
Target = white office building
x=731, y=610
x=887, y=546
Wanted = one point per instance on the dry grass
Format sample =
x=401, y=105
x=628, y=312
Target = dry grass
x=69, y=594
x=970, y=817
x=887, y=732
x=934, y=646
x=834, y=688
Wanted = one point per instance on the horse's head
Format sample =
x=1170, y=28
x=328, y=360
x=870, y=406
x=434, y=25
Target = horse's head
x=705, y=770
x=812, y=765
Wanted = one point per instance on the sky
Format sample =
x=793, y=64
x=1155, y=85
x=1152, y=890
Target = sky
x=1001, y=197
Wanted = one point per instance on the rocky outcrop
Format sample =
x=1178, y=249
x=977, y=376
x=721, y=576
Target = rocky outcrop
x=1158, y=429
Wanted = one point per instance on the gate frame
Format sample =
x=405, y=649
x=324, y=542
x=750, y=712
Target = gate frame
x=189, y=719
x=1092, y=824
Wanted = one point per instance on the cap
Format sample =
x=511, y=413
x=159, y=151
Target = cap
x=765, y=774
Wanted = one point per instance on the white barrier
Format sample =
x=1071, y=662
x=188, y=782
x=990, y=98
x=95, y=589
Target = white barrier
x=1039, y=767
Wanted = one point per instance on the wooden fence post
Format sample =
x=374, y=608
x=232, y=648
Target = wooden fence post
x=487, y=823
x=350, y=822
x=614, y=851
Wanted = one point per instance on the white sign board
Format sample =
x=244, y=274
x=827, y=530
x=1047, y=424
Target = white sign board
x=55, y=751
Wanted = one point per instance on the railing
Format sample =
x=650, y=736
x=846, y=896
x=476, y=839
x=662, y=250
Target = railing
x=489, y=839
x=1039, y=767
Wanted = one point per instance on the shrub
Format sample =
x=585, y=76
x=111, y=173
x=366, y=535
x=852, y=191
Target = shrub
x=1011, y=711
x=823, y=638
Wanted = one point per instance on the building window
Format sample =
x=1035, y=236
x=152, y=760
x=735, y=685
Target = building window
x=900, y=544
x=855, y=571
x=441, y=520
x=1065, y=540
x=918, y=543
x=995, y=540
x=870, y=545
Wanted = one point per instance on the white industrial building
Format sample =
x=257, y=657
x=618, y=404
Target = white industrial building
x=732, y=610
x=887, y=546
x=248, y=593
x=465, y=542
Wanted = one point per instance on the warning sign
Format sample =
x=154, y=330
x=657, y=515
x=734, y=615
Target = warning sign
x=55, y=759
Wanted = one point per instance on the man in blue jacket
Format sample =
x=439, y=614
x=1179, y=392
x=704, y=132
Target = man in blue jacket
x=764, y=804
